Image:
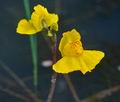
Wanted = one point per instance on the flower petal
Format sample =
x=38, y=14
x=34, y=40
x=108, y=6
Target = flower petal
x=66, y=65
x=70, y=64
x=51, y=19
x=36, y=20
x=39, y=9
x=25, y=27
x=86, y=62
x=37, y=17
x=41, y=18
x=68, y=37
x=92, y=58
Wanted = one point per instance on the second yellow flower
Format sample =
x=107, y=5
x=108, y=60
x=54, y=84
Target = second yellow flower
x=40, y=19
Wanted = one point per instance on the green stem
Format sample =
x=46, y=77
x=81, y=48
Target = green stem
x=33, y=42
x=27, y=8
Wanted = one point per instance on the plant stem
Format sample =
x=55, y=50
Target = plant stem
x=67, y=78
x=54, y=76
x=99, y=96
x=27, y=8
x=71, y=86
x=10, y=92
x=18, y=80
x=33, y=42
x=52, y=89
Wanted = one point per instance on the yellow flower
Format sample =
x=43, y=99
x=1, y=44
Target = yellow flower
x=40, y=19
x=75, y=58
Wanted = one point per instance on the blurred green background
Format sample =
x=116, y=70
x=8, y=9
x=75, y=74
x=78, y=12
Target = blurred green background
x=99, y=24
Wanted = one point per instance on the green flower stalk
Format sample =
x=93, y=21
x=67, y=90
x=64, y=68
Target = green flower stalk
x=33, y=42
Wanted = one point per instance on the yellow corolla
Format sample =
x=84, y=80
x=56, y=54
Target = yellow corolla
x=40, y=19
x=75, y=58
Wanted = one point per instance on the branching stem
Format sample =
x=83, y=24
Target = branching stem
x=54, y=76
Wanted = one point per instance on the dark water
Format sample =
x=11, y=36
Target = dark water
x=99, y=24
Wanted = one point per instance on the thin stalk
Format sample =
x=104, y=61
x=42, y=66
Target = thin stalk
x=18, y=80
x=27, y=8
x=67, y=78
x=10, y=92
x=52, y=89
x=33, y=42
x=54, y=76
x=102, y=94
x=72, y=89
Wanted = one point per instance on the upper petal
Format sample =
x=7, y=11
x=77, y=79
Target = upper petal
x=36, y=20
x=72, y=35
x=68, y=37
x=72, y=49
x=39, y=9
x=51, y=19
x=25, y=27
x=41, y=18
x=38, y=15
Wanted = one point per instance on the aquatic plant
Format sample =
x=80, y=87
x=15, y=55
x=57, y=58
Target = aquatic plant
x=75, y=58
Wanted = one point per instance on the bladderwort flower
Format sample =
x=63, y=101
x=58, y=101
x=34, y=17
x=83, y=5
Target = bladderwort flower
x=74, y=57
x=40, y=19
